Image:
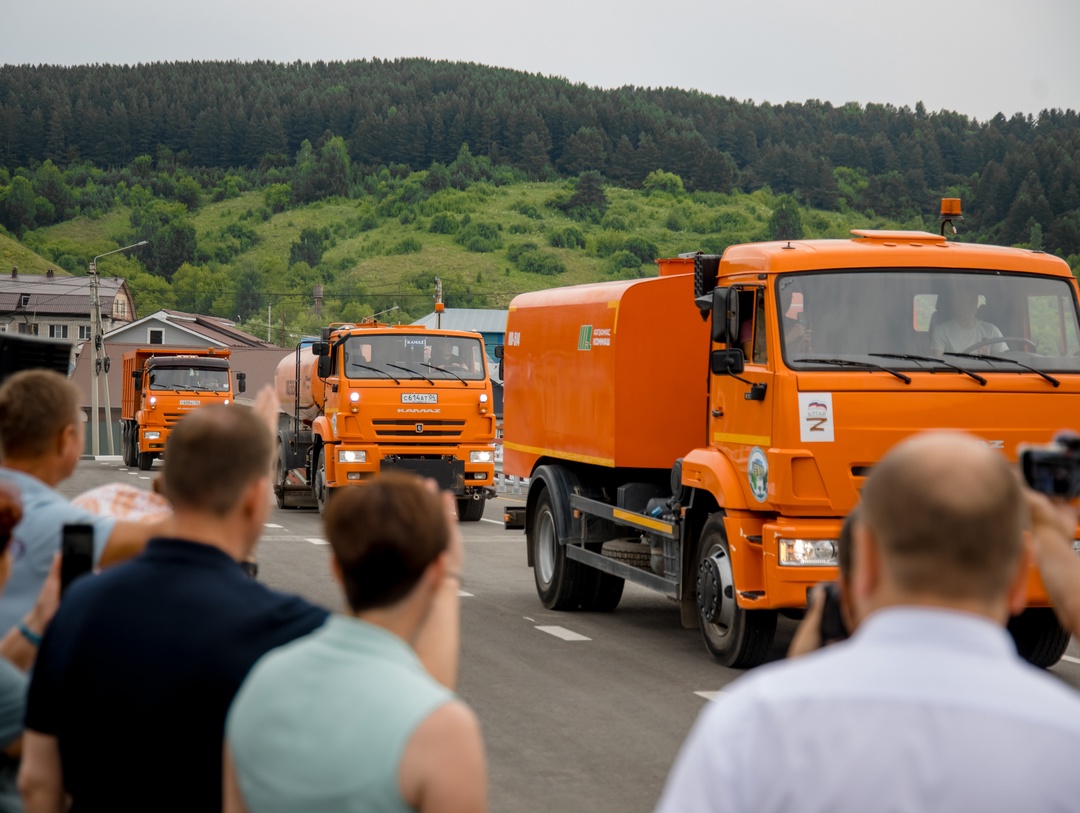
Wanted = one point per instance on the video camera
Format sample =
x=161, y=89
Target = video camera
x=1053, y=469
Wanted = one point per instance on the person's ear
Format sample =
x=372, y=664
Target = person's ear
x=1018, y=584
x=865, y=569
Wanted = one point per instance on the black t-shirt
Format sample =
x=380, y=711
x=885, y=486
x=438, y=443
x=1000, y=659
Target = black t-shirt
x=138, y=668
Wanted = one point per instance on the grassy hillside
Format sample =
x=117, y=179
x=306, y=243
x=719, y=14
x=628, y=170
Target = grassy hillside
x=486, y=243
x=14, y=253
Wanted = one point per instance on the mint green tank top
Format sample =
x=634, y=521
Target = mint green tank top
x=320, y=724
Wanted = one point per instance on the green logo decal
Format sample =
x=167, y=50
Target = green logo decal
x=584, y=341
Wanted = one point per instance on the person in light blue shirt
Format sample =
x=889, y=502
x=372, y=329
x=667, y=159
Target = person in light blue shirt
x=347, y=718
x=42, y=433
x=927, y=707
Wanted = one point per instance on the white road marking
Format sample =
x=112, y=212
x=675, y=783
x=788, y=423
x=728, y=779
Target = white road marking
x=463, y=594
x=141, y=477
x=314, y=540
x=133, y=473
x=564, y=633
x=709, y=695
x=532, y=620
x=492, y=521
x=1070, y=659
x=271, y=525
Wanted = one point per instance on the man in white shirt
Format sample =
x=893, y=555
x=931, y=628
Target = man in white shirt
x=927, y=707
x=964, y=333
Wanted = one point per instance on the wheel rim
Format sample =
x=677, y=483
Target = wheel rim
x=545, y=546
x=716, y=593
x=320, y=480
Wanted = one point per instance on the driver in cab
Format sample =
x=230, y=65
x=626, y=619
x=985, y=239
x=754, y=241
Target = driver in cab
x=964, y=332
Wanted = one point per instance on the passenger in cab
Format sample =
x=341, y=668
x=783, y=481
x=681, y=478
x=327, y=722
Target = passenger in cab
x=965, y=332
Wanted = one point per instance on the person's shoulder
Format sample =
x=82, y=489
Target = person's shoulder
x=277, y=610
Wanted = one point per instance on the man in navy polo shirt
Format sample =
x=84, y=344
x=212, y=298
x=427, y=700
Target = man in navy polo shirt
x=127, y=704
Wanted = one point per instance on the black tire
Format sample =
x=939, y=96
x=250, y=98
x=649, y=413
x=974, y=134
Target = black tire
x=322, y=490
x=470, y=510
x=1040, y=638
x=733, y=636
x=561, y=583
x=634, y=554
x=125, y=444
x=146, y=460
x=279, y=481
x=606, y=594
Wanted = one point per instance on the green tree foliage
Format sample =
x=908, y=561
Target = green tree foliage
x=407, y=245
x=569, y=237
x=276, y=197
x=624, y=260
x=170, y=232
x=532, y=259
x=589, y=201
x=309, y=247
x=321, y=174
x=443, y=223
x=479, y=237
x=786, y=221
x=18, y=206
x=660, y=181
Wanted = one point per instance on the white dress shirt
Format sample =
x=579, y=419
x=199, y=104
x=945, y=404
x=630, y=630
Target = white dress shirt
x=922, y=710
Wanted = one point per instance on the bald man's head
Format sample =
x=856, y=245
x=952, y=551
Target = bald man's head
x=946, y=513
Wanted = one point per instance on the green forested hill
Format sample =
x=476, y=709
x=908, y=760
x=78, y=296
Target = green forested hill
x=255, y=182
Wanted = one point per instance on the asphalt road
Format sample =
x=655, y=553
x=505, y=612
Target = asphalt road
x=580, y=711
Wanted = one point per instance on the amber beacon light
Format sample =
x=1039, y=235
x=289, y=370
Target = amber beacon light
x=950, y=211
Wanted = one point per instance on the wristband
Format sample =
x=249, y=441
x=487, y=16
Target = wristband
x=29, y=634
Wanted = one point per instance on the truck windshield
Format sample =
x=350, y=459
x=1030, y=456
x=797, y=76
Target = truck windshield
x=189, y=378
x=977, y=320
x=382, y=356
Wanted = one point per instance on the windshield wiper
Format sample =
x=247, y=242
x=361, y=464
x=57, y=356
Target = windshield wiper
x=412, y=371
x=1049, y=378
x=444, y=370
x=865, y=365
x=932, y=360
x=373, y=369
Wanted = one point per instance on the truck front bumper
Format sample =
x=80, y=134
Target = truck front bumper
x=452, y=472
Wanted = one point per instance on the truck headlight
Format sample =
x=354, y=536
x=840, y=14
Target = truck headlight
x=808, y=552
x=351, y=456
x=152, y=435
x=482, y=457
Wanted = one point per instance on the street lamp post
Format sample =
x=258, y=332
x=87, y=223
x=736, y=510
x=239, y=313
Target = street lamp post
x=99, y=361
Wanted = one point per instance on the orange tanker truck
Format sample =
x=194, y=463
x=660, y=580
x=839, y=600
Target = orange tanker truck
x=160, y=386
x=372, y=397
x=704, y=432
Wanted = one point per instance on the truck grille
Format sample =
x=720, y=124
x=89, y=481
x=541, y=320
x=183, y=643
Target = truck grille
x=406, y=430
x=171, y=418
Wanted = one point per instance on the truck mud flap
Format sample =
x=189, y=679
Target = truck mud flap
x=449, y=474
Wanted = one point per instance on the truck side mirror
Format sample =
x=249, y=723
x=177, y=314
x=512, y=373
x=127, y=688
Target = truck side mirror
x=727, y=362
x=326, y=365
x=725, y=315
x=499, y=351
x=137, y=375
x=241, y=382
x=321, y=349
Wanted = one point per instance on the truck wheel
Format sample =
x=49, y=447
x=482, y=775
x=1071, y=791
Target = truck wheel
x=561, y=583
x=606, y=595
x=470, y=510
x=146, y=460
x=125, y=444
x=733, y=636
x=1040, y=638
x=279, y=480
x=322, y=490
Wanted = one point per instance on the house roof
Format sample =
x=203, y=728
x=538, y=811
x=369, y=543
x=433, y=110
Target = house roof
x=214, y=329
x=56, y=294
x=479, y=320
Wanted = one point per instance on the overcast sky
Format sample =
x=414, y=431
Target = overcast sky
x=977, y=57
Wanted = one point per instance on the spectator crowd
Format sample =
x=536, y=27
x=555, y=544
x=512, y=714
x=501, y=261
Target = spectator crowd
x=172, y=681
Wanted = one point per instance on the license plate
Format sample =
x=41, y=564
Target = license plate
x=190, y=403
x=419, y=398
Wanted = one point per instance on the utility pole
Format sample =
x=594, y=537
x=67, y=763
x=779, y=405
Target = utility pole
x=438, y=303
x=100, y=361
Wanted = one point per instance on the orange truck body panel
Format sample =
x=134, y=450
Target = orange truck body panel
x=636, y=391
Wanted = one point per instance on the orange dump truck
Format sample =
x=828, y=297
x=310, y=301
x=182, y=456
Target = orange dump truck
x=371, y=397
x=160, y=386
x=704, y=432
